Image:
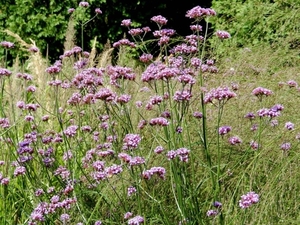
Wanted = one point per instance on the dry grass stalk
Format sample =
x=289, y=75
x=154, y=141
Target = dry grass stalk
x=70, y=35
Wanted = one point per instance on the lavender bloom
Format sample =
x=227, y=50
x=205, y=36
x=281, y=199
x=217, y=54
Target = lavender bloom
x=136, y=220
x=160, y=20
x=289, y=126
x=7, y=44
x=131, y=141
x=222, y=34
x=98, y=222
x=224, y=130
x=248, y=199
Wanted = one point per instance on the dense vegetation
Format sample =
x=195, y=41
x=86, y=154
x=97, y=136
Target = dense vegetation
x=204, y=132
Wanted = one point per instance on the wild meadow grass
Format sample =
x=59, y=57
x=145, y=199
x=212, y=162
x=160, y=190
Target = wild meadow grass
x=188, y=137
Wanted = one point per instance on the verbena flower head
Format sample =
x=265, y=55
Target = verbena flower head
x=126, y=23
x=212, y=213
x=286, y=146
x=98, y=11
x=71, y=10
x=219, y=94
x=7, y=44
x=222, y=34
x=234, y=140
x=292, y=83
x=260, y=91
x=224, y=130
x=160, y=121
x=160, y=20
x=248, y=199
x=84, y=4
x=289, y=126
x=131, y=141
x=198, y=13
x=136, y=220
x=5, y=72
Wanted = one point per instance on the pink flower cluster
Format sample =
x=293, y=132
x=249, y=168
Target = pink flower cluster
x=160, y=20
x=131, y=141
x=160, y=171
x=248, y=199
x=199, y=13
x=219, y=94
x=182, y=153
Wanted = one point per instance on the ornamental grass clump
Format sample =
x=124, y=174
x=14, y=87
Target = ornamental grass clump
x=156, y=144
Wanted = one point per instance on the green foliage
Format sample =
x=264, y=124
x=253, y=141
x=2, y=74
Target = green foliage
x=259, y=21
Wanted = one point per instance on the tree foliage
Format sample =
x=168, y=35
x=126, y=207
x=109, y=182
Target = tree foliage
x=45, y=21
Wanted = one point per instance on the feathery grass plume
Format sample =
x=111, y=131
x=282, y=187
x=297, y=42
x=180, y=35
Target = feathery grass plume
x=70, y=34
x=93, y=53
x=105, y=57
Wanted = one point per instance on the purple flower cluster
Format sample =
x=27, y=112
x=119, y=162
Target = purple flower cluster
x=125, y=42
x=198, y=13
x=234, y=140
x=136, y=220
x=160, y=171
x=260, y=91
x=159, y=121
x=160, y=20
x=224, y=130
x=5, y=72
x=248, y=199
x=131, y=141
x=222, y=34
x=271, y=112
x=7, y=44
x=182, y=153
x=219, y=94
